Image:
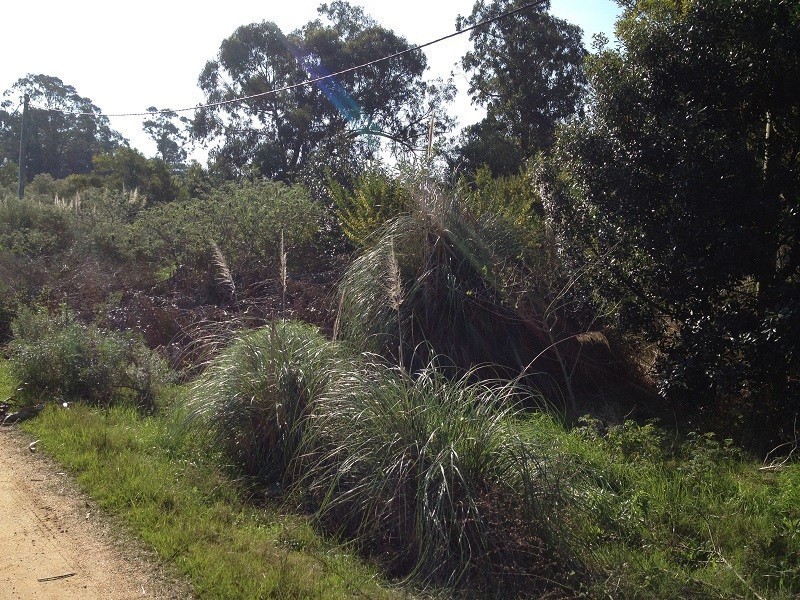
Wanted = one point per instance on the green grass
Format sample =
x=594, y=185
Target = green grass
x=660, y=517
x=7, y=382
x=640, y=512
x=254, y=395
x=426, y=474
x=182, y=505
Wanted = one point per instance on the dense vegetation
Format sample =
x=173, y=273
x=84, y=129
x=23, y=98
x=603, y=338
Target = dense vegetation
x=558, y=358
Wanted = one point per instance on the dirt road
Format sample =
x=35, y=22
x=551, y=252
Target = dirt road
x=54, y=545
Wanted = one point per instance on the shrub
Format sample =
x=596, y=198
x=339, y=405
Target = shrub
x=428, y=475
x=58, y=356
x=255, y=394
x=376, y=198
x=428, y=278
x=245, y=220
x=34, y=229
x=511, y=198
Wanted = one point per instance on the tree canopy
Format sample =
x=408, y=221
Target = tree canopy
x=275, y=131
x=170, y=132
x=527, y=70
x=683, y=183
x=57, y=143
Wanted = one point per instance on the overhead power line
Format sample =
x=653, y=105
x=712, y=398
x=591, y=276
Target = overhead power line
x=308, y=81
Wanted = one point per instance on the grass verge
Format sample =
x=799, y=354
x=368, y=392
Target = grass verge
x=7, y=382
x=191, y=514
x=647, y=514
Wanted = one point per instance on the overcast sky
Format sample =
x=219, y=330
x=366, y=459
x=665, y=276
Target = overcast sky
x=127, y=56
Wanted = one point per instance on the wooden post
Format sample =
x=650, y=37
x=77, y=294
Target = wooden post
x=21, y=186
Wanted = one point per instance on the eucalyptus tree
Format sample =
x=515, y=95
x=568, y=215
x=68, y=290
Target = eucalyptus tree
x=64, y=130
x=170, y=132
x=527, y=70
x=281, y=122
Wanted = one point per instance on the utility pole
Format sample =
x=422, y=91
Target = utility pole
x=21, y=187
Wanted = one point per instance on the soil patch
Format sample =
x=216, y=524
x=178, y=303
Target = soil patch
x=54, y=542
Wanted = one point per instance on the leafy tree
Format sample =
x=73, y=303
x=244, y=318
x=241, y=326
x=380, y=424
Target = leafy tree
x=527, y=70
x=487, y=143
x=128, y=169
x=57, y=142
x=171, y=138
x=277, y=134
x=684, y=179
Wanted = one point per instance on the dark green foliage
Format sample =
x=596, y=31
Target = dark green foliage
x=30, y=229
x=126, y=169
x=277, y=135
x=9, y=173
x=684, y=179
x=527, y=69
x=477, y=293
x=256, y=394
x=490, y=144
x=55, y=357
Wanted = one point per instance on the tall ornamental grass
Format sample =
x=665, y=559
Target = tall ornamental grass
x=482, y=298
x=255, y=394
x=428, y=476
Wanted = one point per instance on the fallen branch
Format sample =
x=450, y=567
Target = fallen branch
x=56, y=577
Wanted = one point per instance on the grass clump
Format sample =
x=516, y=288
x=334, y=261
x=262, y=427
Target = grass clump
x=481, y=298
x=255, y=394
x=426, y=283
x=57, y=357
x=428, y=476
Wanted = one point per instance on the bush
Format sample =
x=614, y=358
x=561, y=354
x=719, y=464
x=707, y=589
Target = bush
x=34, y=229
x=429, y=476
x=56, y=355
x=245, y=221
x=376, y=198
x=510, y=198
x=255, y=394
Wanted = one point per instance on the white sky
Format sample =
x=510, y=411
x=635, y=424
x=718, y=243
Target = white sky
x=127, y=56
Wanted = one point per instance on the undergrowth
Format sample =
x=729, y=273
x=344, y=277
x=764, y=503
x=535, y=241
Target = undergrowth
x=441, y=481
x=56, y=357
x=663, y=516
